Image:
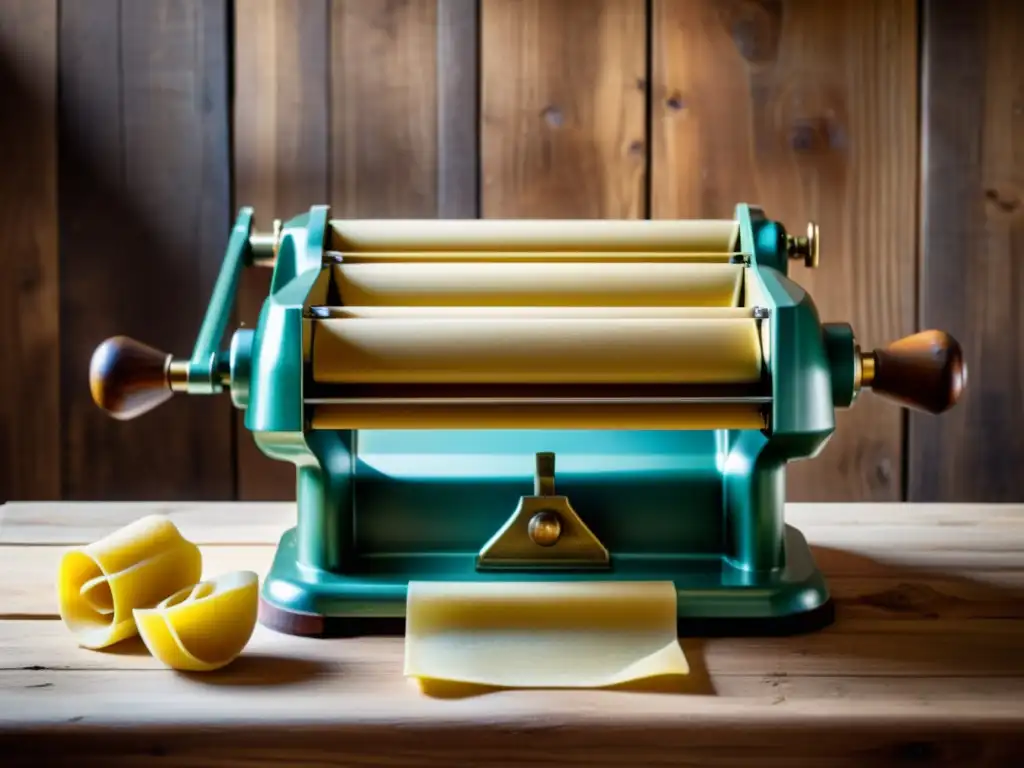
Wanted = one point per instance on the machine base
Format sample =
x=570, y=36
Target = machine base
x=715, y=599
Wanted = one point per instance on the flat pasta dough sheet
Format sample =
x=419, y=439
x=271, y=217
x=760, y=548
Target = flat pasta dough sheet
x=542, y=634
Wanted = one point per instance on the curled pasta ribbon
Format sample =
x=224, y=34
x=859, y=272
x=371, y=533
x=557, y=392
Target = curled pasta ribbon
x=100, y=585
x=202, y=627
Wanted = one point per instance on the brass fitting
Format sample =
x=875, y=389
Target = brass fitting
x=264, y=246
x=866, y=366
x=177, y=374
x=805, y=247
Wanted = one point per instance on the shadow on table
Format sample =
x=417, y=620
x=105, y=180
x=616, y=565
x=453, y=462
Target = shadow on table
x=133, y=646
x=698, y=682
x=890, y=620
x=263, y=670
x=865, y=589
x=249, y=669
x=901, y=620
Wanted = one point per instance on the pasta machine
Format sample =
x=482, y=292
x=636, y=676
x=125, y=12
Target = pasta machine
x=534, y=401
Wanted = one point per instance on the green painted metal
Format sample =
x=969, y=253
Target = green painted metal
x=240, y=367
x=378, y=508
x=707, y=587
x=203, y=365
x=841, y=346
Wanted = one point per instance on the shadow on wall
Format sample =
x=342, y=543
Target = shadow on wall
x=29, y=356
x=114, y=224
x=144, y=219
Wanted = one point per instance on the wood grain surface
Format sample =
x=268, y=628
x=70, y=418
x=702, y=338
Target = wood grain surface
x=808, y=109
x=384, y=117
x=144, y=219
x=458, y=106
x=922, y=666
x=30, y=436
x=562, y=131
x=972, y=247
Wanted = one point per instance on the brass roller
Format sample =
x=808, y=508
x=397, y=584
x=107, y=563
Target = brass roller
x=601, y=284
x=489, y=350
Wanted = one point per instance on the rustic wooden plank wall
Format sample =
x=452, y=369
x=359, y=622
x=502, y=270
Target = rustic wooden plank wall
x=809, y=109
x=972, y=246
x=867, y=116
x=144, y=218
x=30, y=427
x=562, y=117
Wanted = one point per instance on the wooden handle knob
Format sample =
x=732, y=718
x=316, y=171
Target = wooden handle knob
x=925, y=371
x=128, y=378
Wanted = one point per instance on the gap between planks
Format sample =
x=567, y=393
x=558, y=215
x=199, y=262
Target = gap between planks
x=48, y=646
x=959, y=573
x=306, y=695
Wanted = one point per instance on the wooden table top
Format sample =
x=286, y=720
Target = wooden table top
x=924, y=666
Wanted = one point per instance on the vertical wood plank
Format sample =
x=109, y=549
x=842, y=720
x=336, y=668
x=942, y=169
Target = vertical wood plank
x=144, y=199
x=30, y=457
x=563, y=108
x=384, y=108
x=809, y=110
x=972, y=247
x=282, y=166
x=458, y=83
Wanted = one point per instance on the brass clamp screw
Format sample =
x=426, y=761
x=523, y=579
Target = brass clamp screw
x=805, y=247
x=545, y=527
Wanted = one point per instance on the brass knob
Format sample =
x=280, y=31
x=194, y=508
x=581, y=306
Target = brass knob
x=128, y=378
x=545, y=528
x=925, y=371
x=264, y=246
x=806, y=247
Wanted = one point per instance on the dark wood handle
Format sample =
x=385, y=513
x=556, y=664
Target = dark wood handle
x=128, y=378
x=925, y=371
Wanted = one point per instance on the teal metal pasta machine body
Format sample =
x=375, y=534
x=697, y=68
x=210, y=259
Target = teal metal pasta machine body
x=378, y=506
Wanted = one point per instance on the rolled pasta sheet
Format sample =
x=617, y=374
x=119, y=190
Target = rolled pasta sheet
x=203, y=627
x=502, y=235
x=536, y=351
x=548, y=313
x=633, y=257
x=100, y=585
x=548, y=284
x=541, y=634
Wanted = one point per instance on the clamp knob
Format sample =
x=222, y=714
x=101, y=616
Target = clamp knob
x=806, y=247
x=925, y=371
x=128, y=378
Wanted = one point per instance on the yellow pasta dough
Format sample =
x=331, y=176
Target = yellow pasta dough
x=504, y=235
x=488, y=350
x=545, y=284
x=542, y=634
x=137, y=566
x=203, y=627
